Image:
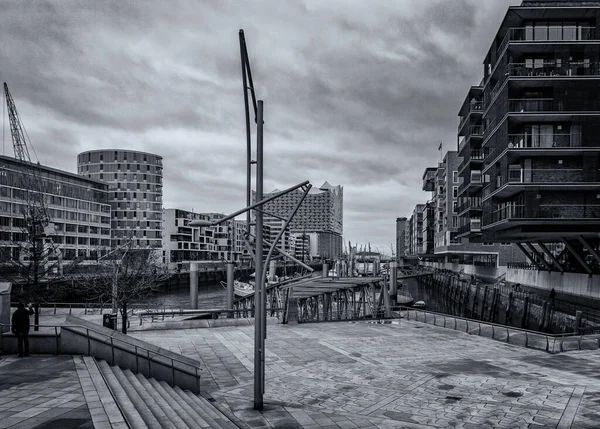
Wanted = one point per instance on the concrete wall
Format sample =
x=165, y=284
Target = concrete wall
x=568, y=283
x=128, y=352
x=38, y=343
x=5, y=289
x=487, y=273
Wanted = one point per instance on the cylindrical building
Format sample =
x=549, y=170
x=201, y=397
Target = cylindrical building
x=135, y=192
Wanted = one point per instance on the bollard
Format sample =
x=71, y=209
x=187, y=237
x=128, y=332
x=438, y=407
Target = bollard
x=193, y=286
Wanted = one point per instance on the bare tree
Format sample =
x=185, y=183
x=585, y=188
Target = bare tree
x=123, y=276
x=33, y=262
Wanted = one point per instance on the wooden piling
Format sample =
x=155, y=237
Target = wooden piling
x=508, y=315
x=484, y=301
x=578, y=315
x=525, y=313
x=475, y=302
x=543, y=318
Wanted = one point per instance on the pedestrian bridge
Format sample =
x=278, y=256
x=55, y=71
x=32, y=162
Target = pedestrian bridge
x=319, y=299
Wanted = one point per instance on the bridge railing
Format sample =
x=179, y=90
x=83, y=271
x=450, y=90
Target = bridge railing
x=587, y=338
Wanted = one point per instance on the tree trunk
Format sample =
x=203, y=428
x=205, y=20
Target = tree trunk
x=36, y=317
x=124, y=317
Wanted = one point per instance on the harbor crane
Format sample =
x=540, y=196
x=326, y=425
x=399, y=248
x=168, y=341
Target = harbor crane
x=33, y=254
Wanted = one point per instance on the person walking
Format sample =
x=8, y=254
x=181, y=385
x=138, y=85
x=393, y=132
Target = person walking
x=20, y=327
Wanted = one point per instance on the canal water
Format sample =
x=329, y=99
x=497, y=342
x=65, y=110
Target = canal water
x=210, y=296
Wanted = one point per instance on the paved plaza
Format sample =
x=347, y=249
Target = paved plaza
x=43, y=392
x=403, y=374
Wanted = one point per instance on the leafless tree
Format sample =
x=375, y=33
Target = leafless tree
x=31, y=260
x=124, y=275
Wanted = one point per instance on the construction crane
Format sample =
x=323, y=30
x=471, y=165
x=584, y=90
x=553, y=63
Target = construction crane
x=37, y=221
x=34, y=255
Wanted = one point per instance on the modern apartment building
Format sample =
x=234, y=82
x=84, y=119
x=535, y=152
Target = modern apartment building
x=529, y=136
x=321, y=216
x=184, y=243
x=416, y=230
x=135, y=192
x=77, y=208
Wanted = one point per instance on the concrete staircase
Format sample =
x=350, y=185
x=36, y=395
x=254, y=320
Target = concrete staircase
x=150, y=404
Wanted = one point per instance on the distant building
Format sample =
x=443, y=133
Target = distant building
x=321, y=217
x=450, y=246
x=400, y=237
x=135, y=192
x=183, y=243
x=77, y=207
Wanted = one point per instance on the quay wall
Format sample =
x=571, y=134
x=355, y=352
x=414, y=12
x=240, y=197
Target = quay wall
x=574, y=284
x=502, y=305
x=485, y=273
x=582, y=285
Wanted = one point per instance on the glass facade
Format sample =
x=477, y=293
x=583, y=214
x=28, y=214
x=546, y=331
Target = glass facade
x=77, y=207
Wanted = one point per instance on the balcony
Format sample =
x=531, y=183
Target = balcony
x=519, y=178
x=554, y=69
x=568, y=212
x=476, y=155
x=473, y=226
x=545, y=34
x=534, y=105
x=475, y=106
x=472, y=203
x=527, y=140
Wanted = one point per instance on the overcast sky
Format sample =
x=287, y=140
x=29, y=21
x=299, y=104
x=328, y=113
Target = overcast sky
x=358, y=93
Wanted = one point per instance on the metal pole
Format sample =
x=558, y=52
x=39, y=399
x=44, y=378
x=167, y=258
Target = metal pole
x=393, y=270
x=259, y=275
x=243, y=54
x=193, y=286
x=230, y=269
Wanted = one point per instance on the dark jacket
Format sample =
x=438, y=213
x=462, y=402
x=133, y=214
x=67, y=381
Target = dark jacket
x=20, y=320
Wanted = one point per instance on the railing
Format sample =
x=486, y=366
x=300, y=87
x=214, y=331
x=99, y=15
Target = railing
x=533, y=105
x=471, y=203
x=474, y=106
x=476, y=130
x=551, y=211
x=545, y=34
x=474, y=225
x=551, y=343
x=236, y=313
x=550, y=68
x=527, y=140
x=150, y=356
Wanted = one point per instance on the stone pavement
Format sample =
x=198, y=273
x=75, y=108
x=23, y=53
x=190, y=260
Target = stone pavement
x=403, y=374
x=42, y=392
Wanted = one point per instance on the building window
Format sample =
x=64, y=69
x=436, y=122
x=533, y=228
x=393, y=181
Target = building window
x=455, y=192
x=454, y=206
x=488, y=244
x=454, y=221
x=455, y=176
x=505, y=244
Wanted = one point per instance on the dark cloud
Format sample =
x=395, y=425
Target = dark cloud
x=356, y=93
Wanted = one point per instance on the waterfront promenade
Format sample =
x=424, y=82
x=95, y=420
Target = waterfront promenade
x=405, y=374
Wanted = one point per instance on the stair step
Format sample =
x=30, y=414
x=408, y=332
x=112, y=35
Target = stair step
x=118, y=395
x=169, y=411
x=156, y=410
x=190, y=406
x=199, y=409
x=182, y=409
x=138, y=402
x=207, y=409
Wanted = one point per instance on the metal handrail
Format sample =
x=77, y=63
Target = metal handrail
x=113, y=347
x=527, y=332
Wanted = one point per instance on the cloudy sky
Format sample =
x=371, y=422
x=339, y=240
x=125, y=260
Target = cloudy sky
x=358, y=93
